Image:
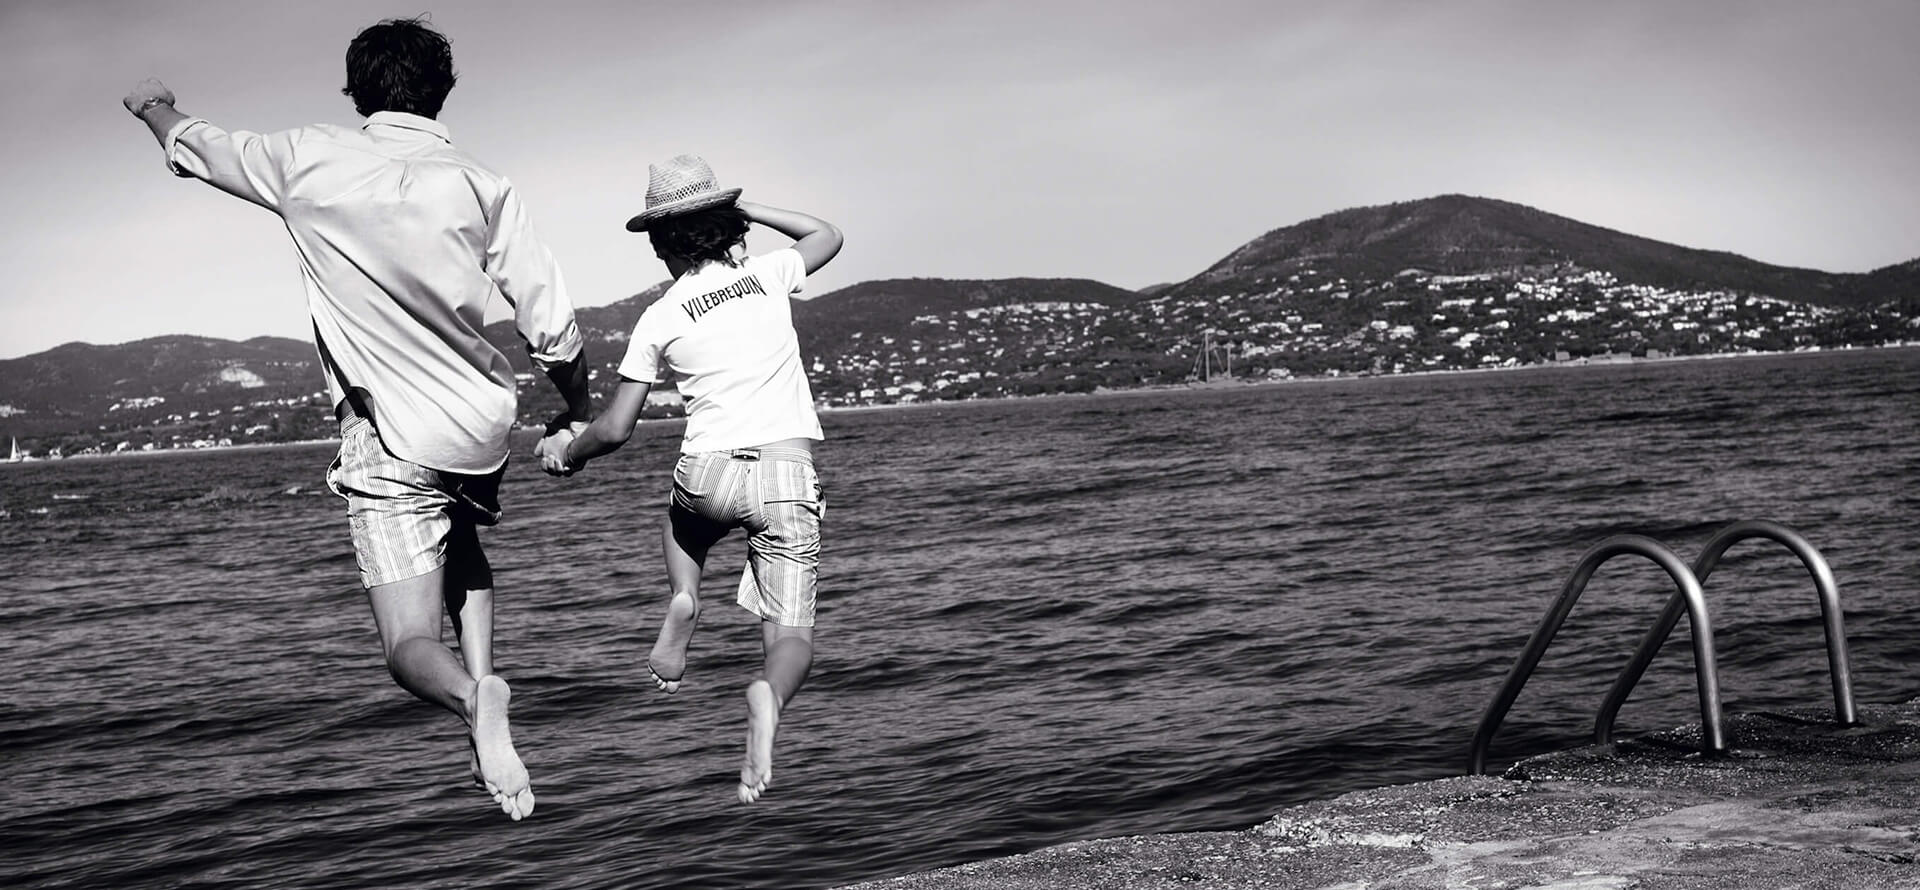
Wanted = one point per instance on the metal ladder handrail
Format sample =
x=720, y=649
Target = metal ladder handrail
x=1713, y=733
x=1709, y=558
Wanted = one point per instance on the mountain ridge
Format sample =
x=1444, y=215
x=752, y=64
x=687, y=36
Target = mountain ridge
x=1361, y=290
x=1457, y=234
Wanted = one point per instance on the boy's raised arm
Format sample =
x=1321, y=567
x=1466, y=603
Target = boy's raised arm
x=816, y=239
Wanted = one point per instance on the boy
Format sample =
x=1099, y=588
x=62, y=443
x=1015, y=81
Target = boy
x=725, y=327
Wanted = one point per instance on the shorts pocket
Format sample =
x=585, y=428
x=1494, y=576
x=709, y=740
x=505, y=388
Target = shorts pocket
x=790, y=481
x=697, y=477
x=333, y=475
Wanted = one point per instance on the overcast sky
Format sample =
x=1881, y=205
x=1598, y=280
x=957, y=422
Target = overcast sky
x=1129, y=142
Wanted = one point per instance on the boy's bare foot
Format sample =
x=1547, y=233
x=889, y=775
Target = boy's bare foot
x=763, y=719
x=500, y=767
x=668, y=662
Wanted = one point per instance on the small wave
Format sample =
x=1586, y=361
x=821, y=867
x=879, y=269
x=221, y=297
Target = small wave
x=1637, y=416
x=1582, y=534
x=223, y=494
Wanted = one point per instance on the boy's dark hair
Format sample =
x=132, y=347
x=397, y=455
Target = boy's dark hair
x=700, y=235
x=399, y=65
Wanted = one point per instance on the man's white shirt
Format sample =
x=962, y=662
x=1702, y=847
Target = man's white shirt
x=402, y=241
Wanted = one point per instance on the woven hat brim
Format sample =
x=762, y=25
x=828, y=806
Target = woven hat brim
x=684, y=205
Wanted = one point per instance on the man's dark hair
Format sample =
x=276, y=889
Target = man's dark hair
x=399, y=65
x=700, y=235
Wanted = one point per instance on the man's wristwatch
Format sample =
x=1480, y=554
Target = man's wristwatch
x=152, y=101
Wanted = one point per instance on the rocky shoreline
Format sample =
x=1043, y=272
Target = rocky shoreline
x=1799, y=803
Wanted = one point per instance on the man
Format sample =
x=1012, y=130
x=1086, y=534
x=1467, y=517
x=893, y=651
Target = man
x=402, y=241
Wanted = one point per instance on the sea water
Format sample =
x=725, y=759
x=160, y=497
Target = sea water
x=1041, y=620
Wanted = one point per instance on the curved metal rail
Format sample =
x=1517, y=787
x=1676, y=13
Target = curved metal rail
x=1702, y=567
x=1713, y=738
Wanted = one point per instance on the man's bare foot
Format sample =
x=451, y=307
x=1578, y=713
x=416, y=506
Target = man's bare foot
x=668, y=662
x=500, y=767
x=763, y=720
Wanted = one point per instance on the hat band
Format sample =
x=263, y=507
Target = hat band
x=681, y=193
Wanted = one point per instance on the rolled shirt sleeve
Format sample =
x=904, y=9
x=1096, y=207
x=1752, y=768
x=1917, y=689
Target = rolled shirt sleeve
x=246, y=165
x=529, y=278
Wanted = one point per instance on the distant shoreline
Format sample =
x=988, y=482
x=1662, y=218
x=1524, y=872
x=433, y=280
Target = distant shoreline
x=1239, y=385
x=1234, y=385
x=170, y=452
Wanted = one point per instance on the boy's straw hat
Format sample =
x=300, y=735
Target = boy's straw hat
x=682, y=185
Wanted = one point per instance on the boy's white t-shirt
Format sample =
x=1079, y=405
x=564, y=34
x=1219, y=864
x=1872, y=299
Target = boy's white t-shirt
x=727, y=333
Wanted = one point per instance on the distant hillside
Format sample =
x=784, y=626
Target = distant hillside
x=878, y=306
x=824, y=323
x=1458, y=234
x=1898, y=283
x=890, y=306
x=81, y=380
x=63, y=388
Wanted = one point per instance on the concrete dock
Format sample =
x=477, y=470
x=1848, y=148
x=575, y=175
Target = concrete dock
x=1798, y=803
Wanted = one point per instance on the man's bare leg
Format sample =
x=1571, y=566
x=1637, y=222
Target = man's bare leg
x=789, y=657
x=468, y=591
x=471, y=612
x=469, y=601
x=685, y=540
x=408, y=614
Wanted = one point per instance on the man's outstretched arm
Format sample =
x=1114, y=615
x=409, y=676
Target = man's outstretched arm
x=245, y=165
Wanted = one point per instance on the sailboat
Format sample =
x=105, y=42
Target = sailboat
x=1202, y=374
x=15, y=457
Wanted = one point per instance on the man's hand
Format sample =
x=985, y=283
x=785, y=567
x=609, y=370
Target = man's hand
x=146, y=94
x=566, y=420
x=552, y=451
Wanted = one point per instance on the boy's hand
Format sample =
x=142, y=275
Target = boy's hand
x=816, y=239
x=552, y=451
x=152, y=89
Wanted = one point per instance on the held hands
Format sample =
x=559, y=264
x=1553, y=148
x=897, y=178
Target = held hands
x=553, y=453
x=146, y=94
x=552, y=449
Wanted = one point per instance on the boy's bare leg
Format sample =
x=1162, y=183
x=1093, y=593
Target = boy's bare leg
x=408, y=616
x=685, y=539
x=789, y=656
x=469, y=600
